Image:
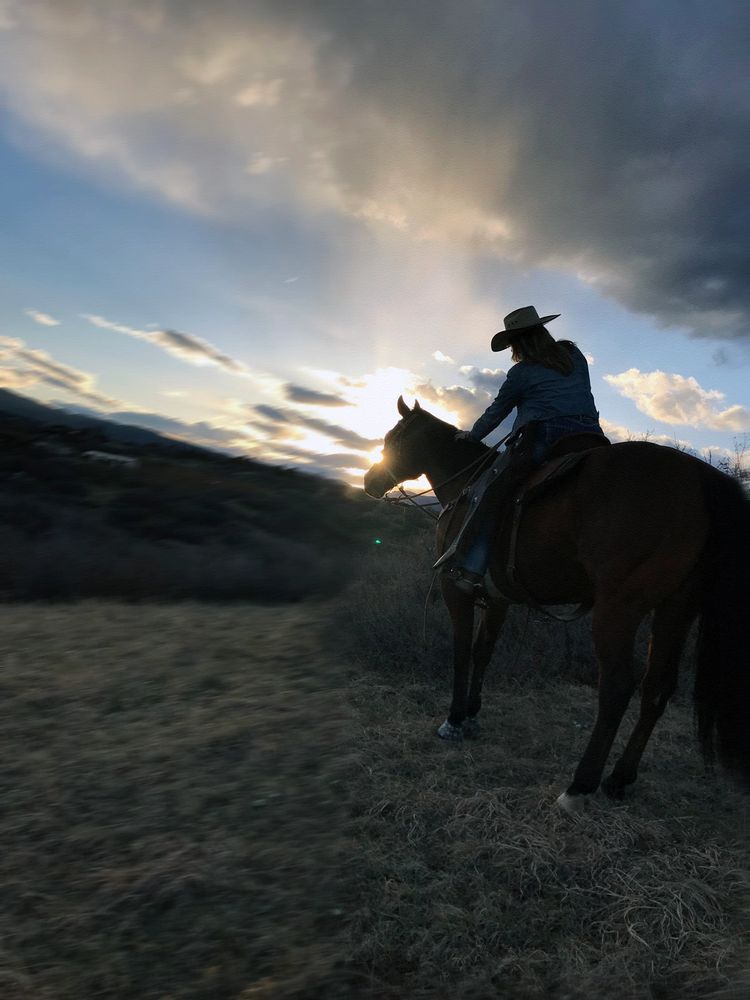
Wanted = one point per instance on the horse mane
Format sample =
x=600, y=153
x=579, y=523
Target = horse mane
x=449, y=432
x=462, y=452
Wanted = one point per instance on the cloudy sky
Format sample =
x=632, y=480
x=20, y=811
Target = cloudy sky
x=253, y=224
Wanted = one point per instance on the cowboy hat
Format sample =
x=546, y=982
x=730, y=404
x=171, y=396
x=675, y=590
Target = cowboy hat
x=516, y=322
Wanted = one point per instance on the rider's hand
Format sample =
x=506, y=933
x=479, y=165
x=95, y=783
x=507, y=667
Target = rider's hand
x=463, y=436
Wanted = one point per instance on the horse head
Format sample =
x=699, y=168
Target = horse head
x=402, y=455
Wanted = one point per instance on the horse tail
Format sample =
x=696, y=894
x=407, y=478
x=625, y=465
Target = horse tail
x=722, y=684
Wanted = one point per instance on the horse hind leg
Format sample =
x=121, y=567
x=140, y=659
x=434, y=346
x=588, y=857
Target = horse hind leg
x=671, y=624
x=615, y=623
x=490, y=625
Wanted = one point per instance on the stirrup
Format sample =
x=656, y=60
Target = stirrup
x=468, y=582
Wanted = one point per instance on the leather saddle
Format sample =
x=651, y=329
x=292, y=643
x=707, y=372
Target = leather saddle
x=563, y=457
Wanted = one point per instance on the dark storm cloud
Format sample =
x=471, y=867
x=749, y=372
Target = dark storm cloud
x=291, y=418
x=612, y=138
x=300, y=394
x=606, y=140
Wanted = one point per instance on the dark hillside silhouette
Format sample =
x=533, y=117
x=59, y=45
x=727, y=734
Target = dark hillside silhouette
x=84, y=514
x=12, y=405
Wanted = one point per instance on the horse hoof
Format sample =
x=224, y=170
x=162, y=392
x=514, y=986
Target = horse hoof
x=573, y=805
x=471, y=728
x=450, y=732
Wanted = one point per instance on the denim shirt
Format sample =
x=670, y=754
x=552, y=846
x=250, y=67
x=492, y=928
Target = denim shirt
x=540, y=393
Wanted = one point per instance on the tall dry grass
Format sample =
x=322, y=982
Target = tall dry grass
x=236, y=803
x=471, y=881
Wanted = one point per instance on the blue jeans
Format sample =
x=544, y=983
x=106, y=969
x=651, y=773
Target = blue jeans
x=548, y=432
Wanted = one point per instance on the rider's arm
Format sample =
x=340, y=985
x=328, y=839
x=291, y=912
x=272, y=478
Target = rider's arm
x=509, y=396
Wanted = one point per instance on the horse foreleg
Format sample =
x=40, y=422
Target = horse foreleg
x=614, y=628
x=672, y=620
x=461, y=609
x=491, y=622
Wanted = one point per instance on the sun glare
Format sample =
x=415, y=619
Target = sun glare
x=370, y=412
x=372, y=409
x=315, y=442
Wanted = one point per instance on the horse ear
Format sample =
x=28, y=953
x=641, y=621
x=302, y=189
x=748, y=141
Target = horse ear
x=403, y=409
x=416, y=405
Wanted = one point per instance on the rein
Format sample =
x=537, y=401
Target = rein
x=409, y=498
x=405, y=499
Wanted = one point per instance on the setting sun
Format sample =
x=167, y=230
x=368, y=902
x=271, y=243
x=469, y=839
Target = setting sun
x=371, y=409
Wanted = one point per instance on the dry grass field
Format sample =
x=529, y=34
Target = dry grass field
x=173, y=816
x=472, y=883
x=207, y=802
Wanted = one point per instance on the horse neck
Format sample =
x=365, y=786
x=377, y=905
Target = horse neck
x=447, y=471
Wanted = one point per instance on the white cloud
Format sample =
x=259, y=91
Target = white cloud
x=677, y=399
x=260, y=93
x=181, y=345
x=462, y=405
x=31, y=366
x=14, y=378
x=44, y=319
x=262, y=164
x=444, y=358
x=618, y=432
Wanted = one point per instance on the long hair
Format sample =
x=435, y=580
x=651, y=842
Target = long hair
x=540, y=347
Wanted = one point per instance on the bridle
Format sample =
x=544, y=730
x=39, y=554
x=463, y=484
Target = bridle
x=404, y=498
x=409, y=498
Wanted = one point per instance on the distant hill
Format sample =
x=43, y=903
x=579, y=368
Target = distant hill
x=15, y=405
x=169, y=520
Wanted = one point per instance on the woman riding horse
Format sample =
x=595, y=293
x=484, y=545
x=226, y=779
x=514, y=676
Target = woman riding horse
x=630, y=529
x=550, y=388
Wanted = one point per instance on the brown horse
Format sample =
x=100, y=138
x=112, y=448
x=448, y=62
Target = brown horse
x=633, y=528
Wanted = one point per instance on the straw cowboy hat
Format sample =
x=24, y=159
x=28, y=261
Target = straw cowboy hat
x=516, y=322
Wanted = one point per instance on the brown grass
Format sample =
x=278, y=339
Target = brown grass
x=233, y=803
x=172, y=817
x=473, y=883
